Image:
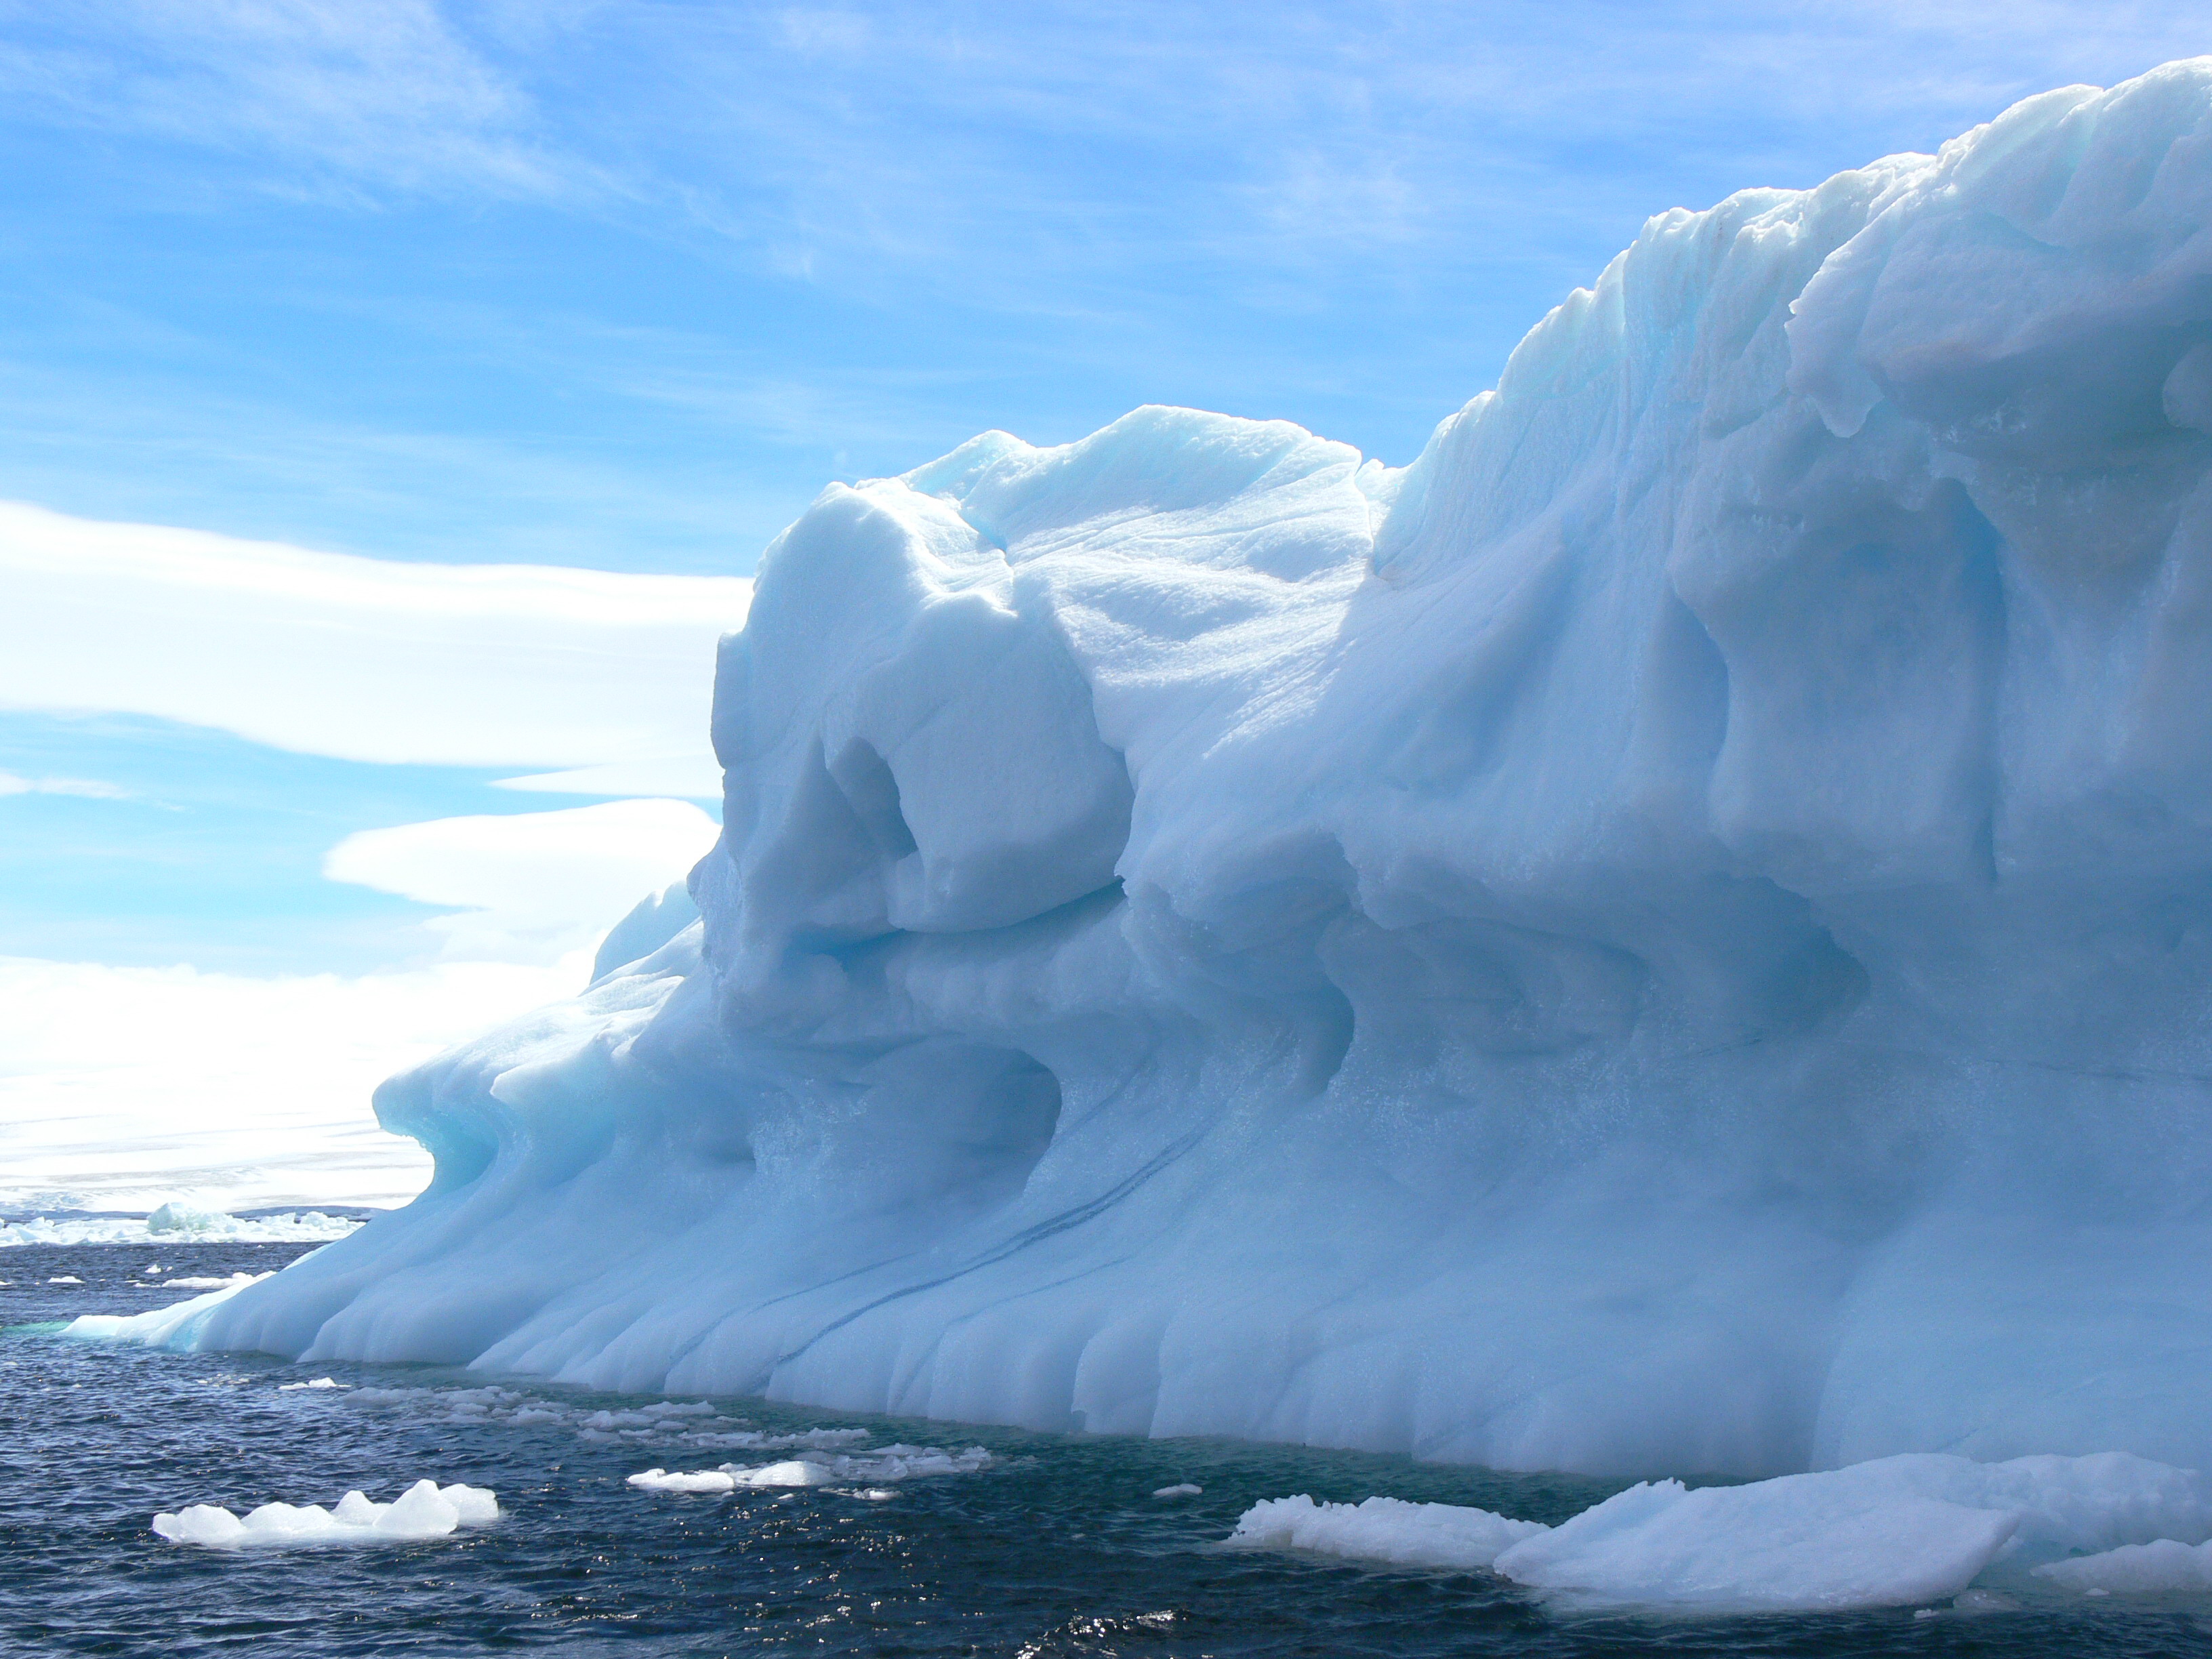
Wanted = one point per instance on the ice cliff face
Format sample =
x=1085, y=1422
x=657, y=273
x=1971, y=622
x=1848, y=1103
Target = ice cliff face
x=1673, y=934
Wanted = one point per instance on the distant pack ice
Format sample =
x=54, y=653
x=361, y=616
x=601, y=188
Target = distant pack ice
x=1673, y=934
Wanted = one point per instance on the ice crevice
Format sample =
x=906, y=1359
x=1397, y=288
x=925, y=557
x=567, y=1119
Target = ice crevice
x=1673, y=934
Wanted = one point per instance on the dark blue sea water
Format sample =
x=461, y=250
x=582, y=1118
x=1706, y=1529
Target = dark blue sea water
x=1059, y=1548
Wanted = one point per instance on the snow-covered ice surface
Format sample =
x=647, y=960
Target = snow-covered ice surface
x=1670, y=934
x=425, y=1509
x=1888, y=1532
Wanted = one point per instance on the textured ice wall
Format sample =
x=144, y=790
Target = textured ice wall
x=1673, y=934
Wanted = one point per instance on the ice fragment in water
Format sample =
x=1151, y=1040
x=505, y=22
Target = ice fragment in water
x=425, y=1509
x=1883, y=1533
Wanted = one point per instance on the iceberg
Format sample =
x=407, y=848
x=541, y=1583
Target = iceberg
x=1672, y=935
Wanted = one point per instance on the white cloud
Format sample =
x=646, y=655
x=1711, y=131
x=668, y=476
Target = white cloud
x=121, y=1087
x=540, y=887
x=693, y=777
x=13, y=783
x=367, y=659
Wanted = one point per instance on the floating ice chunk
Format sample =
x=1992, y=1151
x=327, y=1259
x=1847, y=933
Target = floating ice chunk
x=892, y=1463
x=207, y=1283
x=202, y=1523
x=2135, y=1569
x=1184, y=1490
x=1892, y=1532
x=319, y=1382
x=425, y=1509
x=659, y=1479
x=796, y=1472
x=175, y=1216
x=66, y=1278
x=1383, y=1529
x=1800, y=1542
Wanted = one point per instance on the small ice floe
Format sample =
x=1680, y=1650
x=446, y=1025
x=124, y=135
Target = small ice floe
x=319, y=1382
x=1914, y=1528
x=66, y=1278
x=1182, y=1489
x=1386, y=1530
x=2165, y=1565
x=892, y=1463
x=425, y=1509
x=208, y=1284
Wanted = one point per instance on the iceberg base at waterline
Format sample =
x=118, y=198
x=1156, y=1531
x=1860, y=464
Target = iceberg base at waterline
x=1672, y=935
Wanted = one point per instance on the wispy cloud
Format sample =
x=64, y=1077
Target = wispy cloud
x=12, y=783
x=533, y=887
x=363, y=659
x=340, y=95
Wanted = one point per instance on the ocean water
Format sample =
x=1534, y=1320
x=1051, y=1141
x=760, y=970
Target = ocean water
x=1058, y=1548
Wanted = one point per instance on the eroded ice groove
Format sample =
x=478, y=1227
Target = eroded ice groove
x=1673, y=934
x=1890, y=1533
x=816, y=1468
x=425, y=1509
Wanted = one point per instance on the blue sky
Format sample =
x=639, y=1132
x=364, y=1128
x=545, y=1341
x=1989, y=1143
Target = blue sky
x=622, y=284
x=619, y=286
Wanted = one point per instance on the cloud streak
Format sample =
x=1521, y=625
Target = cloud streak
x=533, y=887
x=14, y=783
x=359, y=659
x=341, y=96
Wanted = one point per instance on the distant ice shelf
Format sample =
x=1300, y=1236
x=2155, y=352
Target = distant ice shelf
x=1672, y=935
x=178, y=1224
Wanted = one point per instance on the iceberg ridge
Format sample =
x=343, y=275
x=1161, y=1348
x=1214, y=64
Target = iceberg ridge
x=1673, y=934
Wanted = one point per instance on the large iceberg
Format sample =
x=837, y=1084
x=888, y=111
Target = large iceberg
x=1673, y=934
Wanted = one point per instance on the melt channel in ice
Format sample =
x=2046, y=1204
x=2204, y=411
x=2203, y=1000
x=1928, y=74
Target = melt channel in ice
x=1673, y=934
